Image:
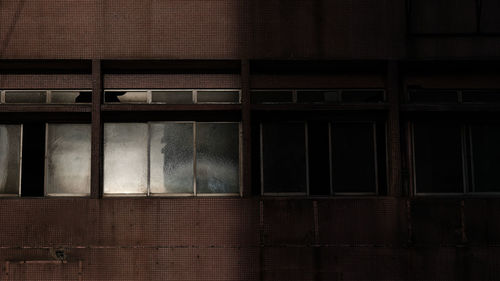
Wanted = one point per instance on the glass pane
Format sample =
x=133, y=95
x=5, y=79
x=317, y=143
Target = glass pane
x=433, y=96
x=218, y=96
x=485, y=140
x=317, y=96
x=481, y=96
x=70, y=97
x=172, y=97
x=25, y=97
x=353, y=157
x=127, y=97
x=171, y=156
x=438, y=157
x=125, y=158
x=68, y=159
x=217, y=158
x=10, y=138
x=319, y=158
x=368, y=96
x=272, y=97
x=284, y=153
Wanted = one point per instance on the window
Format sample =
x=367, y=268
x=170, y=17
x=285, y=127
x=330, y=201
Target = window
x=316, y=96
x=319, y=157
x=173, y=96
x=454, y=153
x=38, y=159
x=171, y=158
x=45, y=96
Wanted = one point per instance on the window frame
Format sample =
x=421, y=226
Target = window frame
x=149, y=96
x=148, y=193
x=332, y=193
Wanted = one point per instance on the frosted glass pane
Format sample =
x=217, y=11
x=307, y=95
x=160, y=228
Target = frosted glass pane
x=68, y=159
x=171, y=156
x=9, y=158
x=217, y=157
x=25, y=97
x=125, y=158
x=70, y=97
x=127, y=97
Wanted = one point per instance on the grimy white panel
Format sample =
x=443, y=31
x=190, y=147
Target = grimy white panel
x=125, y=158
x=68, y=159
x=10, y=139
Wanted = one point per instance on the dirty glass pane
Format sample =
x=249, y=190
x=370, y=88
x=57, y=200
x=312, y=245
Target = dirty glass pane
x=25, y=97
x=127, y=97
x=284, y=157
x=438, y=157
x=485, y=138
x=362, y=96
x=70, y=97
x=10, y=136
x=433, y=96
x=125, y=158
x=172, y=97
x=353, y=157
x=68, y=159
x=272, y=97
x=315, y=96
x=217, y=157
x=218, y=96
x=172, y=157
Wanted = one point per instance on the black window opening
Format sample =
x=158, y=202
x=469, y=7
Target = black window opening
x=455, y=157
x=322, y=158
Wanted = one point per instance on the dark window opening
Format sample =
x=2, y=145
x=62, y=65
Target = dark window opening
x=438, y=157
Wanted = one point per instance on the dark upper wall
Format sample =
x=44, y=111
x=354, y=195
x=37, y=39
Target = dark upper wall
x=356, y=29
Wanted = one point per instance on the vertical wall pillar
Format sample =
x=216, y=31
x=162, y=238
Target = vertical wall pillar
x=393, y=130
x=96, y=150
x=246, y=126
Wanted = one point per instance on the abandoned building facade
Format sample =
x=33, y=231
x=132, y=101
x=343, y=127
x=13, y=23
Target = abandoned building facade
x=249, y=140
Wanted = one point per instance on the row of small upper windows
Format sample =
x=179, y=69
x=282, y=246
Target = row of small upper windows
x=194, y=96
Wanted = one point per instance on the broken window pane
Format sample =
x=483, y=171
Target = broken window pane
x=218, y=96
x=353, y=158
x=127, y=97
x=284, y=157
x=172, y=97
x=217, y=157
x=125, y=158
x=70, y=97
x=10, y=138
x=171, y=157
x=438, y=157
x=68, y=159
x=486, y=156
x=25, y=97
